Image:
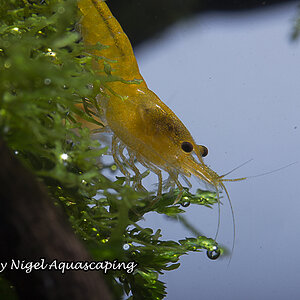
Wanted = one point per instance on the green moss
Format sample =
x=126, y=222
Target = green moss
x=42, y=76
x=296, y=28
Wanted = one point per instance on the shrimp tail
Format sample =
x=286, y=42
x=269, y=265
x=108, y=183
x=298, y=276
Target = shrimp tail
x=98, y=24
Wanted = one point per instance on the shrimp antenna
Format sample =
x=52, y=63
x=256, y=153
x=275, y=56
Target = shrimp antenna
x=233, y=218
x=231, y=207
x=273, y=171
x=259, y=175
x=236, y=168
x=219, y=214
x=233, y=222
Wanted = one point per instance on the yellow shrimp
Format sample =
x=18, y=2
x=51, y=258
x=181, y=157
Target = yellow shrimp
x=149, y=130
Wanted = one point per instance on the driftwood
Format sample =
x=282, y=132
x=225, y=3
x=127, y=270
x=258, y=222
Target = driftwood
x=31, y=228
x=143, y=19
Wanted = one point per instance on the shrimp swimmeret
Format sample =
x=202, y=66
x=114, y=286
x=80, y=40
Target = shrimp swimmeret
x=149, y=130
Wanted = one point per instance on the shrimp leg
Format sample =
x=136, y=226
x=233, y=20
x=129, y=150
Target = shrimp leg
x=186, y=180
x=138, y=175
x=104, y=129
x=115, y=150
x=179, y=185
x=169, y=183
x=157, y=171
x=130, y=164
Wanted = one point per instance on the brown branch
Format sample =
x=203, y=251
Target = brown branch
x=143, y=19
x=31, y=228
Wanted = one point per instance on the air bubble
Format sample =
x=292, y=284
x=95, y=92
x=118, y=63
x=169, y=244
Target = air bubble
x=64, y=156
x=113, y=168
x=213, y=254
x=47, y=81
x=61, y=10
x=185, y=203
x=126, y=247
x=7, y=64
x=52, y=53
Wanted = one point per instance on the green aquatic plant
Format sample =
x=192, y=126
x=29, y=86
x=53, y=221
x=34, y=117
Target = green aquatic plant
x=44, y=73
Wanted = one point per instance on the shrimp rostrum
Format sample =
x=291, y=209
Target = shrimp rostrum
x=149, y=130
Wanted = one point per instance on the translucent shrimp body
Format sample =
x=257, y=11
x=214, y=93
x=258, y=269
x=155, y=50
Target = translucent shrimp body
x=151, y=133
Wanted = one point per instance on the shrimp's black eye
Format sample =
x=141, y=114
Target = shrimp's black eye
x=203, y=150
x=187, y=147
